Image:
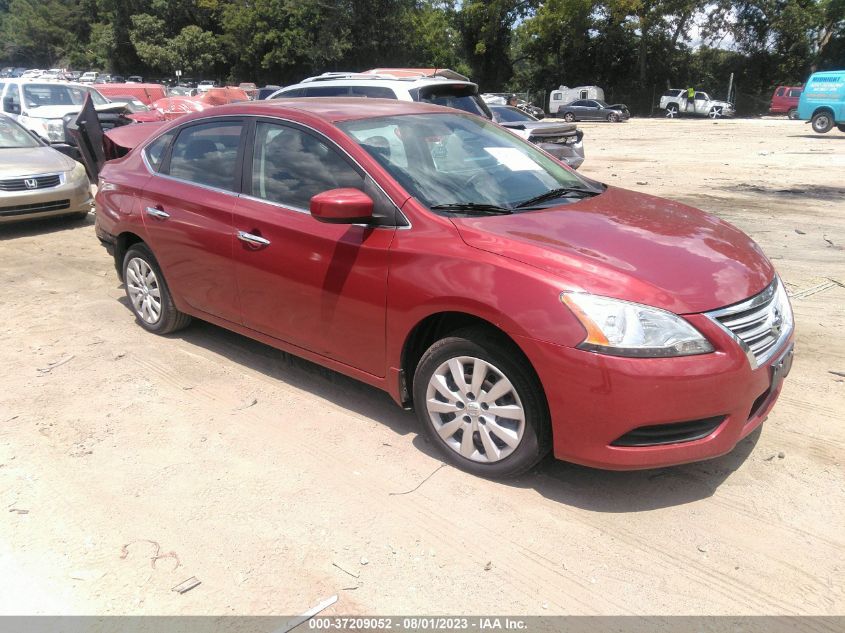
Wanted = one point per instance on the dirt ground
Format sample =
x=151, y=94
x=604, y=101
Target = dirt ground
x=130, y=462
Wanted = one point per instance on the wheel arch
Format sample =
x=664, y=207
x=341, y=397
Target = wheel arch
x=124, y=241
x=823, y=109
x=436, y=326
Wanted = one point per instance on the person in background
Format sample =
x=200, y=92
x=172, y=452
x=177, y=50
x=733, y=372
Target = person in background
x=512, y=100
x=691, y=99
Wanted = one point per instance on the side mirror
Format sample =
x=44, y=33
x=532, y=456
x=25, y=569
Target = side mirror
x=10, y=106
x=342, y=206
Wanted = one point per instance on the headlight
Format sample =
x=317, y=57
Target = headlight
x=56, y=130
x=622, y=328
x=78, y=173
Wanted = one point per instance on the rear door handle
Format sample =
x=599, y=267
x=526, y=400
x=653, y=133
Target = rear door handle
x=253, y=240
x=157, y=213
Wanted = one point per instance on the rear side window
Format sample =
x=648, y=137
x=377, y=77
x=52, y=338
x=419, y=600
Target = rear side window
x=327, y=91
x=795, y=92
x=155, y=150
x=290, y=166
x=373, y=92
x=207, y=154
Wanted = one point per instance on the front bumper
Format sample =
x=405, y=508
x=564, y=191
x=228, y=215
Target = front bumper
x=595, y=399
x=65, y=199
x=570, y=153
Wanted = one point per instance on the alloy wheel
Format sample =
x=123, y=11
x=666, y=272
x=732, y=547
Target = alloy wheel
x=475, y=409
x=715, y=112
x=144, y=291
x=671, y=112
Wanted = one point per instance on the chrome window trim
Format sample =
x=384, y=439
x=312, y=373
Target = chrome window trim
x=763, y=297
x=152, y=172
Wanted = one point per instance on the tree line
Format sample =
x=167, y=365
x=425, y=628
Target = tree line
x=634, y=49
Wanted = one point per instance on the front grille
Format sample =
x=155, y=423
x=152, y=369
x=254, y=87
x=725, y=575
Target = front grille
x=41, y=182
x=23, y=209
x=760, y=323
x=674, y=433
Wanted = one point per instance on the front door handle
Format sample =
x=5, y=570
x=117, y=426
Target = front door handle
x=157, y=213
x=253, y=240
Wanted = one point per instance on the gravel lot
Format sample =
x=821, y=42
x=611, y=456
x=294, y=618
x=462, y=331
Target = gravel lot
x=129, y=462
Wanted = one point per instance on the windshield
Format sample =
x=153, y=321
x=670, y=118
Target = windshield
x=454, y=159
x=38, y=95
x=13, y=135
x=507, y=114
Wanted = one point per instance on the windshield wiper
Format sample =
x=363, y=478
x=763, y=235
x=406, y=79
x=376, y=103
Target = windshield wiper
x=554, y=193
x=475, y=208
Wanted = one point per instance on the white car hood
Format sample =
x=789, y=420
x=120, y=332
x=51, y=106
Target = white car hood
x=58, y=111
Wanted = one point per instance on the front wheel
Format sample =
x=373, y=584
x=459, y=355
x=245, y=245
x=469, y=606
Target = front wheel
x=148, y=293
x=613, y=117
x=822, y=122
x=480, y=402
x=569, y=117
x=715, y=112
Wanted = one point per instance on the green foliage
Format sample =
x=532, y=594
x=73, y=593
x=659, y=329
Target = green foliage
x=632, y=48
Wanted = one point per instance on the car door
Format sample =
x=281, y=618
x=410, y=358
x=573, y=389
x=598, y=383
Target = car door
x=701, y=103
x=187, y=210
x=321, y=287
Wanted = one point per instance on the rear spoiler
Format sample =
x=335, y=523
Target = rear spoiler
x=96, y=146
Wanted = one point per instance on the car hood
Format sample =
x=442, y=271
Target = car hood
x=541, y=128
x=631, y=246
x=26, y=161
x=58, y=111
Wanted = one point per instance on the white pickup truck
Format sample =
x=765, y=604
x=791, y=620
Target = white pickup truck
x=675, y=103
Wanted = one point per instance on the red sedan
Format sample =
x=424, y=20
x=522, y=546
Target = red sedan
x=516, y=305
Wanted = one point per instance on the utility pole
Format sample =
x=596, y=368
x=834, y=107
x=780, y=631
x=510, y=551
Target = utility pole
x=730, y=88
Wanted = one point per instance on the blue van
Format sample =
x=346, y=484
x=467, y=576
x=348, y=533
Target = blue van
x=823, y=101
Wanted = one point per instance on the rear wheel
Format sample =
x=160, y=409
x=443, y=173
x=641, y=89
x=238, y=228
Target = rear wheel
x=569, y=117
x=792, y=114
x=841, y=127
x=148, y=293
x=822, y=122
x=480, y=402
x=672, y=111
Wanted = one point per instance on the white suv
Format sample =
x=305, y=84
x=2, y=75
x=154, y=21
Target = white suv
x=440, y=87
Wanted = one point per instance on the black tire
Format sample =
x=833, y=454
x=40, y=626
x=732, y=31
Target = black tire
x=841, y=127
x=822, y=122
x=169, y=318
x=569, y=117
x=487, y=345
x=792, y=114
x=613, y=117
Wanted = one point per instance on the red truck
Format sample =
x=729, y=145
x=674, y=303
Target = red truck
x=785, y=101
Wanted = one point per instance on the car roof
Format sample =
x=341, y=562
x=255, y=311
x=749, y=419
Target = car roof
x=331, y=110
x=375, y=80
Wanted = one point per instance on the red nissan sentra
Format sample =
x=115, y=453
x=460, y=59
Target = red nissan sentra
x=515, y=304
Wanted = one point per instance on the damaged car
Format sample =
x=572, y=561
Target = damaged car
x=564, y=141
x=594, y=110
x=517, y=306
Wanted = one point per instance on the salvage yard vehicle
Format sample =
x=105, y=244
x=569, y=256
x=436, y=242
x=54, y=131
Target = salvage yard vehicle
x=594, y=110
x=785, y=101
x=42, y=107
x=823, y=101
x=515, y=304
x=564, y=141
x=36, y=181
x=676, y=103
x=438, y=86
x=564, y=95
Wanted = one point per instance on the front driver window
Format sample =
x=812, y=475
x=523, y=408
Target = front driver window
x=290, y=166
